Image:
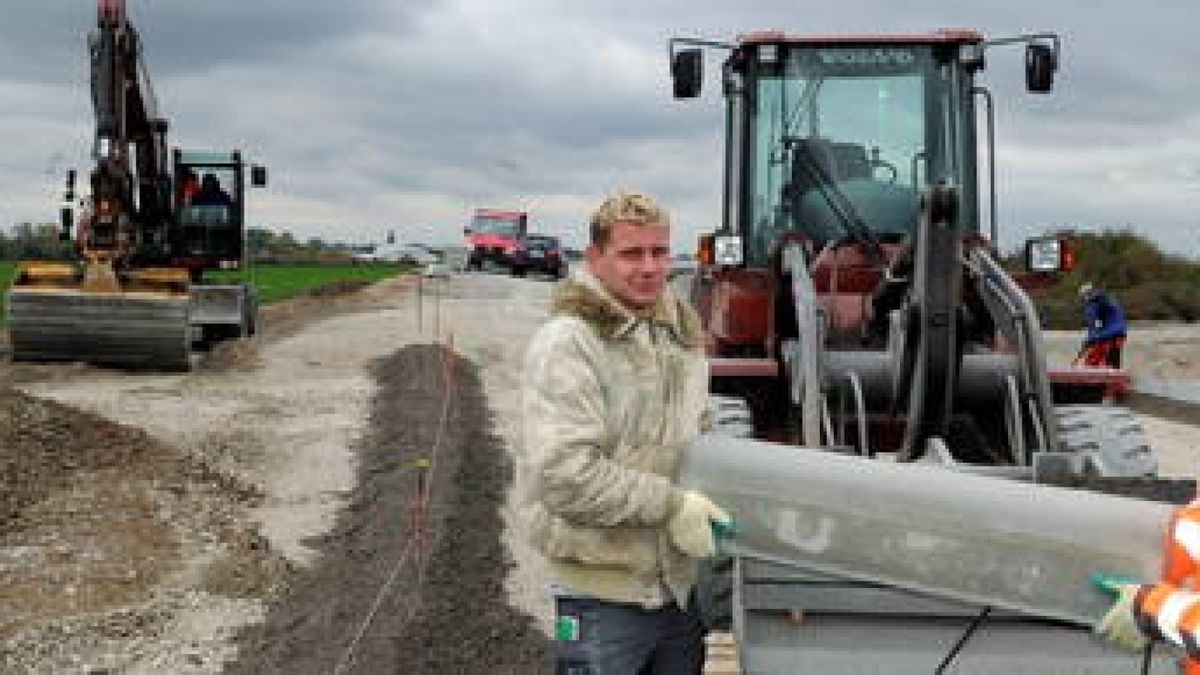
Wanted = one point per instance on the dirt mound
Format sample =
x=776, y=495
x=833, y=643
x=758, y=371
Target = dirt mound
x=42, y=444
x=95, y=518
x=441, y=612
x=240, y=355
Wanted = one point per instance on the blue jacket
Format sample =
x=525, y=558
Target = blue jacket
x=1105, y=318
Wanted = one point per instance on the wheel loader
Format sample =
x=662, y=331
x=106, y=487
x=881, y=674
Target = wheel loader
x=856, y=306
x=136, y=294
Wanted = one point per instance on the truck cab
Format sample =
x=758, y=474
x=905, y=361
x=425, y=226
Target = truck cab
x=493, y=236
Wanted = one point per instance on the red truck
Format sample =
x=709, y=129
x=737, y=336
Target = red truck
x=494, y=235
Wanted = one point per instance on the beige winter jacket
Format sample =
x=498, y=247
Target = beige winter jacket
x=610, y=399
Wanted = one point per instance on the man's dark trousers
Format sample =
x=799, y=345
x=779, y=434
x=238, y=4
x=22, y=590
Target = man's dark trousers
x=596, y=637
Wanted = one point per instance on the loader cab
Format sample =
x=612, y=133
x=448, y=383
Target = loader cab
x=838, y=138
x=836, y=141
x=827, y=136
x=210, y=209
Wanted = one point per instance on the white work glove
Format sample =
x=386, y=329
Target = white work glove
x=691, y=525
x=1119, y=625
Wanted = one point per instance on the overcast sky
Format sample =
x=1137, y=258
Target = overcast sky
x=406, y=114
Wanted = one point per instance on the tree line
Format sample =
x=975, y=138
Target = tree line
x=1150, y=283
x=39, y=241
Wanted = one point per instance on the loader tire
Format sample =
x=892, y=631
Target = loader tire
x=1110, y=438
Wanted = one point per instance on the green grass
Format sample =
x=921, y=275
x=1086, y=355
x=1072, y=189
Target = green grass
x=280, y=282
x=274, y=282
x=6, y=272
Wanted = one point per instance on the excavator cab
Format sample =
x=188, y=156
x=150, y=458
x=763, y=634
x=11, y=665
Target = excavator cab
x=210, y=208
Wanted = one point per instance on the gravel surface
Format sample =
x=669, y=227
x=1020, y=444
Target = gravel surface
x=104, y=533
x=195, y=506
x=388, y=594
x=246, y=515
x=1154, y=351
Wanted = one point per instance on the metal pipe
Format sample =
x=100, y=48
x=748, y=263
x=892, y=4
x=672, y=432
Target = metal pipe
x=1029, y=333
x=860, y=413
x=991, y=144
x=1016, y=425
x=956, y=536
x=1039, y=425
x=981, y=376
x=805, y=366
x=826, y=421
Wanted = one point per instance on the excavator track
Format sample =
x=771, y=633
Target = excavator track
x=131, y=329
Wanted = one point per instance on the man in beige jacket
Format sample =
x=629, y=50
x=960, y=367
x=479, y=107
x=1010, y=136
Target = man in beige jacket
x=616, y=387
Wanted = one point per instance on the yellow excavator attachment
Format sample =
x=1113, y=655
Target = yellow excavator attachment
x=89, y=313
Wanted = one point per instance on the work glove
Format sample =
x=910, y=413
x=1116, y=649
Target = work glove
x=691, y=526
x=1119, y=625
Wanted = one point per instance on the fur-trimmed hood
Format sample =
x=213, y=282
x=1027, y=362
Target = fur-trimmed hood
x=583, y=296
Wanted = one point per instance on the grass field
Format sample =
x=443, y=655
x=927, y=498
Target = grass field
x=6, y=272
x=280, y=282
x=275, y=282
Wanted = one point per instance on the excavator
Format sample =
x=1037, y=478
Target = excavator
x=153, y=222
x=873, y=363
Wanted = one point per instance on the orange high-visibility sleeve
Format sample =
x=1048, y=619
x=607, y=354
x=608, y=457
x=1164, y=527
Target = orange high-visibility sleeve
x=1181, y=559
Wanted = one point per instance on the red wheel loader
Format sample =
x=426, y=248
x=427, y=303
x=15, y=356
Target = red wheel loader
x=855, y=305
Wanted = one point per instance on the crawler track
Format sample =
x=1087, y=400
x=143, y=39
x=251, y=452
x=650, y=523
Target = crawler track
x=135, y=330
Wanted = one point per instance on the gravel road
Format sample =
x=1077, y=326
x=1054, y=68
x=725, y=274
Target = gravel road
x=244, y=517
x=270, y=439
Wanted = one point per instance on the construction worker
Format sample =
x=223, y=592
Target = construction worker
x=211, y=193
x=1167, y=610
x=189, y=187
x=616, y=385
x=1106, y=329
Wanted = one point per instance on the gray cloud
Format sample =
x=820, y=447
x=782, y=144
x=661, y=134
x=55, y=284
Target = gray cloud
x=374, y=114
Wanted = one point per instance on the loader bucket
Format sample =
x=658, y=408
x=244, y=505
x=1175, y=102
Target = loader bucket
x=128, y=329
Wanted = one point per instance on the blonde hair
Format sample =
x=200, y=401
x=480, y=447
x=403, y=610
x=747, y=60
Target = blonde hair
x=634, y=208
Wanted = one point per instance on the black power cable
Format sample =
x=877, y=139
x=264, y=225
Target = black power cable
x=962, y=641
x=1147, y=653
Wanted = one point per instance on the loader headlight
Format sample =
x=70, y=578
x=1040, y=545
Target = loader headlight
x=1044, y=255
x=727, y=249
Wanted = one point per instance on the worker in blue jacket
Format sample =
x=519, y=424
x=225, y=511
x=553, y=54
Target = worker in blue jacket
x=1106, y=329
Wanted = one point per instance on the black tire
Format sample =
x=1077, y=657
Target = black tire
x=714, y=593
x=1110, y=438
x=250, y=316
x=518, y=271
